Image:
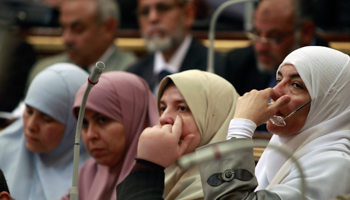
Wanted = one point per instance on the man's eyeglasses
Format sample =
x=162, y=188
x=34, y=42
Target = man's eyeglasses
x=268, y=40
x=161, y=8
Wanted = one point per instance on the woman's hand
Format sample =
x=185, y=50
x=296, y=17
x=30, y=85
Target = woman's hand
x=254, y=105
x=162, y=144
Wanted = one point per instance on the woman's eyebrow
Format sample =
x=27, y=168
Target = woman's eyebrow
x=95, y=115
x=296, y=75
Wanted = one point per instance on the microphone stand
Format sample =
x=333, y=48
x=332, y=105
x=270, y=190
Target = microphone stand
x=217, y=12
x=92, y=80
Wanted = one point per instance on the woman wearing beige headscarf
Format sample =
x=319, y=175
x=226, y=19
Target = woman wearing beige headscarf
x=208, y=100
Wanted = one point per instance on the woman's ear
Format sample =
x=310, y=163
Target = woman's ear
x=5, y=196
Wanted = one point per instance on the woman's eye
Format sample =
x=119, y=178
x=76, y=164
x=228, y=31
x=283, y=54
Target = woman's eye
x=278, y=81
x=102, y=119
x=162, y=108
x=85, y=122
x=29, y=111
x=296, y=85
x=47, y=119
x=182, y=108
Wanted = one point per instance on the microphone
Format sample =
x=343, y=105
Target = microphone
x=96, y=72
x=92, y=80
x=217, y=12
x=219, y=150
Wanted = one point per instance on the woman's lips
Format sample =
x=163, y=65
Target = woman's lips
x=96, y=152
x=279, y=114
x=31, y=139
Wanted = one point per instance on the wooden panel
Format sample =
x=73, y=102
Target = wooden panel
x=53, y=44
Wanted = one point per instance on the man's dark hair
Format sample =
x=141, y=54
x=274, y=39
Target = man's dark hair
x=304, y=10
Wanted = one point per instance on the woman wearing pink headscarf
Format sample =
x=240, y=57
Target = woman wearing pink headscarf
x=118, y=109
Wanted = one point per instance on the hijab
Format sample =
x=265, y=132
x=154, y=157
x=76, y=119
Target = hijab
x=322, y=145
x=44, y=176
x=211, y=100
x=126, y=98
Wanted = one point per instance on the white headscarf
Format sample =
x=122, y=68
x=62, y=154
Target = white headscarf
x=322, y=145
x=46, y=176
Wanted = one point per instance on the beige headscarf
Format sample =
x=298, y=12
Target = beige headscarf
x=212, y=101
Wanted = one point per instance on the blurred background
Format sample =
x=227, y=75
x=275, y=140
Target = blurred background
x=29, y=30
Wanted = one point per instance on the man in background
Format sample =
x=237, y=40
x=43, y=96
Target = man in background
x=166, y=27
x=89, y=30
x=280, y=26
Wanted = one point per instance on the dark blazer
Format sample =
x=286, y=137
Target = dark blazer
x=196, y=58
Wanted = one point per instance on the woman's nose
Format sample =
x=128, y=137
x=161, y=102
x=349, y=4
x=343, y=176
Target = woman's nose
x=167, y=117
x=32, y=124
x=280, y=89
x=92, y=132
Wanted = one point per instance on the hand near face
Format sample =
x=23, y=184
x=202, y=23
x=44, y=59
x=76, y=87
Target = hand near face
x=254, y=105
x=162, y=144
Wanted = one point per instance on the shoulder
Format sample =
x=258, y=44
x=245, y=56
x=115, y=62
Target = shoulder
x=88, y=168
x=145, y=63
x=45, y=62
x=241, y=52
x=125, y=54
x=120, y=60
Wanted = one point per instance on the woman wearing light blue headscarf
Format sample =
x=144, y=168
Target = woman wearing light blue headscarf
x=39, y=166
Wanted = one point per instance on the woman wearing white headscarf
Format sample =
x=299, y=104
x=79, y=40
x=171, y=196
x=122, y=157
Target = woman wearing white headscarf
x=36, y=151
x=318, y=134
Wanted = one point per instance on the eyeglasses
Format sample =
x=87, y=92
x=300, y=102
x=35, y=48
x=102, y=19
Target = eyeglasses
x=280, y=121
x=161, y=8
x=265, y=40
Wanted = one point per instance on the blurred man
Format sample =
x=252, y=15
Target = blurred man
x=166, y=27
x=281, y=26
x=89, y=30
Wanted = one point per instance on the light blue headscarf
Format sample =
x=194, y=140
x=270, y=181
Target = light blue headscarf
x=46, y=176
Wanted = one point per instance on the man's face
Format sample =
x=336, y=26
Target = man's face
x=84, y=37
x=279, y=25
x=164, y=23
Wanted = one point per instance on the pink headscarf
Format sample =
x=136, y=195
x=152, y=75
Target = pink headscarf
x=127, y=99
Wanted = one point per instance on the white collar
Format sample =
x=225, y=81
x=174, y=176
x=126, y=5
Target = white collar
x=175, y=61
x=105, y=56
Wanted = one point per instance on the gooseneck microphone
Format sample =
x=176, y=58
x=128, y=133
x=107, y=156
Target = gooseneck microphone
x=217, y=12
x=92, y=80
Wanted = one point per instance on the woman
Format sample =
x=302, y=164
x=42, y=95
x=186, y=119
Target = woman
x=318, y=134
x=204, y=103
x=36, y=151
x=118, y=108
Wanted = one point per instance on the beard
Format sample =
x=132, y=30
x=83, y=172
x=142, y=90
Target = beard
x=164, y=41
x=159, y=43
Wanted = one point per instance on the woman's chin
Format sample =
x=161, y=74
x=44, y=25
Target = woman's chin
x=277, y=130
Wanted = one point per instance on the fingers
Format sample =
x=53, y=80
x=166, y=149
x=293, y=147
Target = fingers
x=280, y=102
x=185, y=143
x=177, y=127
